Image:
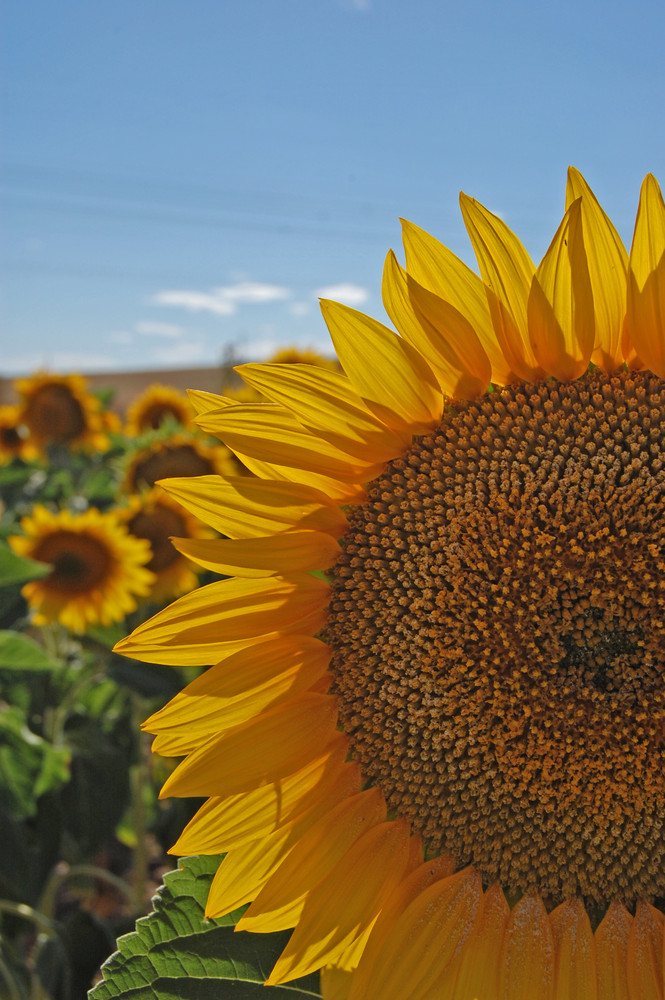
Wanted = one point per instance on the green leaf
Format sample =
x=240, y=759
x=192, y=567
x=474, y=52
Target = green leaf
x=16, y=569
x=19, y=652
x=30, y=766
x=176, y=954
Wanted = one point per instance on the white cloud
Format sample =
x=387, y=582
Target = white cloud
x=224, y=300
x=150, y=329
x=350, y=295
x=299, y=308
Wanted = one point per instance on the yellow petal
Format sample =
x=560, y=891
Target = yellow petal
x=241, y=507
x=246, y=869
x=325, y=403
x=228, y=822
x=336, y=490
x=243, y=685
x=426, y=938
x=335, y=982
x=645, y=314
x=280, y=903
x=479, y=974
x=607, y=260
x=527, y=960
x=288, y=552
x=611, y=937
x=645, y=954
x=507, y=271
x=437, y=268
x=261, y=750
x=272, y=434
x=575, y=973
x=437, y=330
x=230, y=610
x=333, y=917
x=393, y=379
x=373, y=955
x=560, y=306
x=203, y=402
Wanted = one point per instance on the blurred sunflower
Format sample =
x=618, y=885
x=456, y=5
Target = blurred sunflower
x=58, y=409
x=444, y=764
x=158, y=518
x=155, y=405
x=98, y=567
x=175, y=455
x=14, y=441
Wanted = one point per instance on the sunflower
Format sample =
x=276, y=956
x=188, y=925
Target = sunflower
x=14, y=441
x=155, y=405
x=175, y=455
x=98, y=567
x=156, y=517
x=58, y=409
x=443, y=762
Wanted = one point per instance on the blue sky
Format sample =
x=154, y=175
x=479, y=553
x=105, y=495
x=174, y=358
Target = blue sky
x=182, y=178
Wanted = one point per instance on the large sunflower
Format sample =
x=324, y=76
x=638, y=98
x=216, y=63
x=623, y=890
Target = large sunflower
x=59, y=410
x=443, y=763
x=98, y=567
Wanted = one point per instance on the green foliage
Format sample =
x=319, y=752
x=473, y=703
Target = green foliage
x=16, y=569
x=177, y=954
x=20, y=652
x=30, y=766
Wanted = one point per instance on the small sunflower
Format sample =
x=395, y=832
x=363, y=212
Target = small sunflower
x=14, y=441
x=443, y=763
x=169, y=529
x=58, y=409
x=98, y=567
x=155, y=405
x=175, y=455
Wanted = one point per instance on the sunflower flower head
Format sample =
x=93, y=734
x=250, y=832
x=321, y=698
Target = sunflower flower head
x=59, y=410
x=171, y=530
x=433, y=731
x=179, y=454
x=99, y=569
x=157, y=404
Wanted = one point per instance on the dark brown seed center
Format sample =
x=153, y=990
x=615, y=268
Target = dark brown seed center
x=498, y=621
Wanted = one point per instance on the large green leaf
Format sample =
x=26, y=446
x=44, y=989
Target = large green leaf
x=176, y=954
x=16, y=569
x=20, y=652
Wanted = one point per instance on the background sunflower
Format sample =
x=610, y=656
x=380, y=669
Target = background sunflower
x=99, y=569
x=59, y=410
x=153, y=406
x=158, y=518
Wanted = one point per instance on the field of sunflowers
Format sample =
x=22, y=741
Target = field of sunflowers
x=90, y=547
